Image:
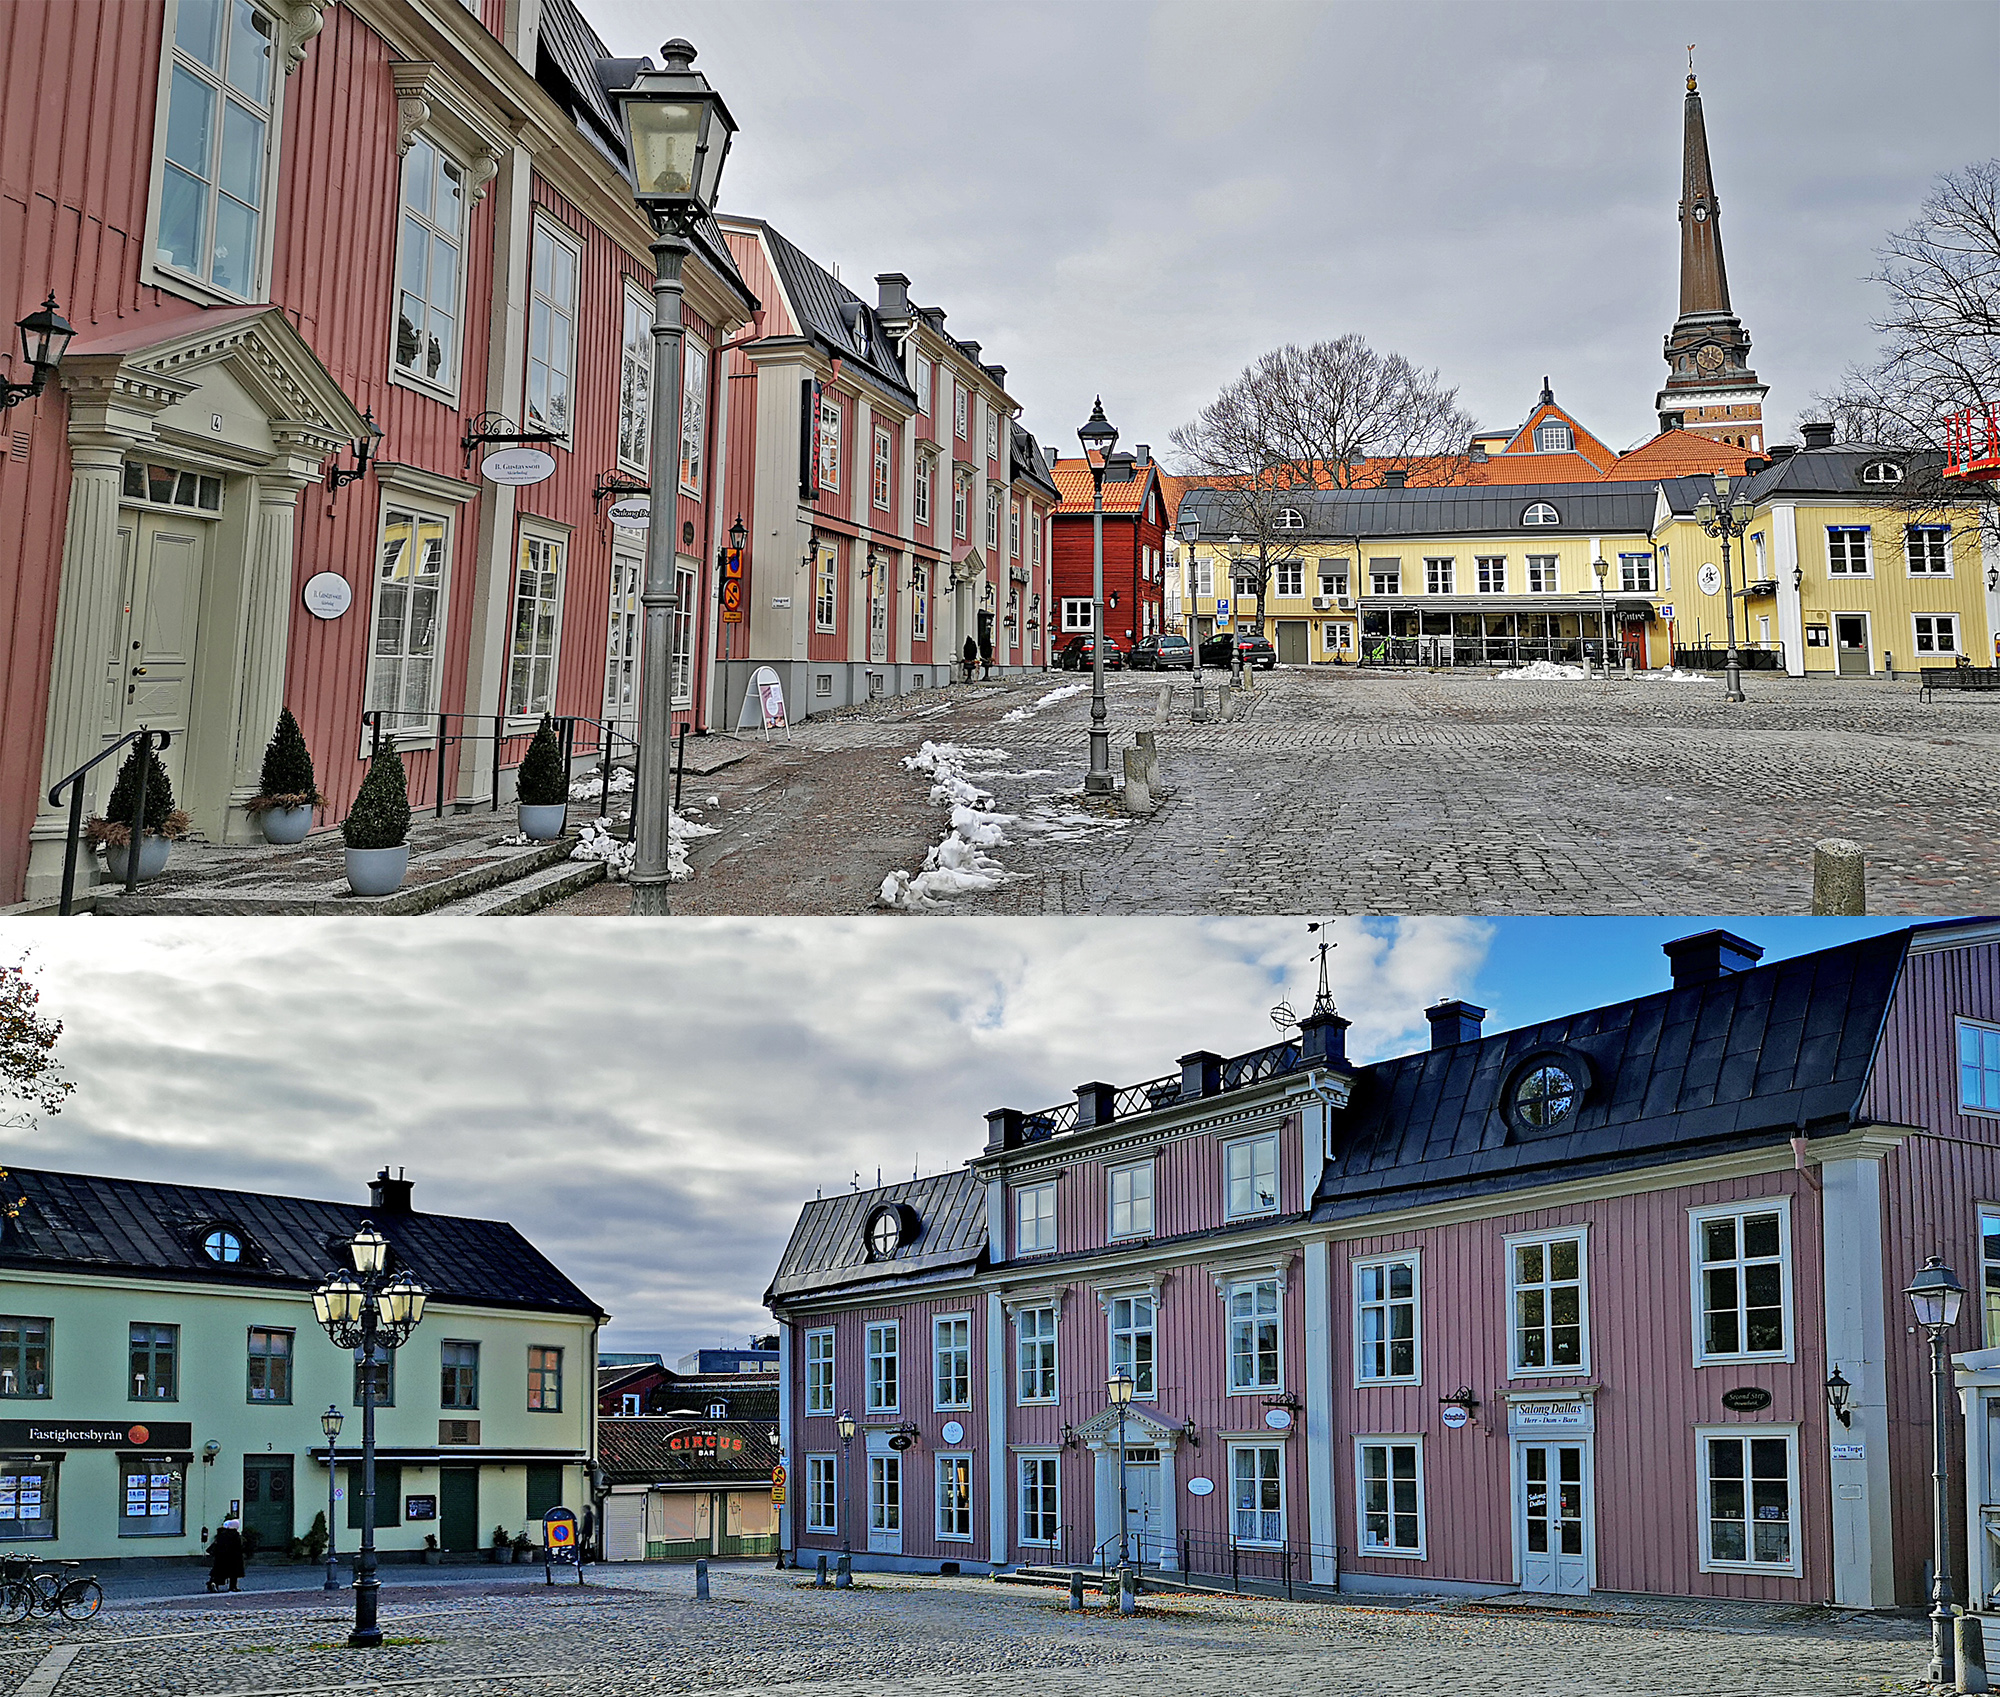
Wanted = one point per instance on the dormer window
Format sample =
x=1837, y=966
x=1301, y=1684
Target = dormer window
x=1290, y=518
x=1882, y=472
x=1553, y=439
x=1545, y=1096
x=890, y=1227
x=861, y=331
x=1541, y=513
x=223, y=1247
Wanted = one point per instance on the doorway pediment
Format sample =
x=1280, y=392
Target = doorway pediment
x=1141, y=1429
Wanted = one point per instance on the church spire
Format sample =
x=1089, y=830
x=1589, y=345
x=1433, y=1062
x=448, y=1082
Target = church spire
x=1704, y=282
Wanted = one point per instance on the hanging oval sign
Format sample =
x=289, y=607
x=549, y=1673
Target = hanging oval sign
x=327, y=595
x=517, y=465
x=902, y=1441
x=1710, y=578
x=1746, y=1399
x=953, y=1431
x=1278, y=1419
x=635, y=512
x=1200, y=1487
x=1455, y=1416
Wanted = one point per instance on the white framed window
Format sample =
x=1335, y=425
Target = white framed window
x=1928, y=549
x=1014, y=529
x=826, y=588
x=429, y=268
x=885, y=1493
x=1289, y=518
x=1132, y=1341
x=1847, y=551
x=1034, y=1218
x=1257, y=1493
x=1543, y=576
x=1989, y=1270
x=921, y=381
x=635, y=383
x=829, y=443
x=1250, y=1171
x=959, y=403
x=1540, y=512
x=1438, y=577
x=951, y=1354
x=694, y=414
x=992, y=434
x=1742, y=1263
x=1035, y=1355
x=885, y=447
x=1040, y=1499
x=412, y=568
x=1386, y=1341
x=884, y=1345
x=1076, y=613
x=1934, y=633
x=1130, y=1188
x=1553, y=439
x=1034, y=536
x=1548, y=1304
x=537, y=641
x=1635, y=574
x=1385, y=577
x=1882, y=471
x=630, y=1402
x=1749, y=1497
x=1256, y=1362
x=1492, y=569
x=819, y=1372
x=958, y=506
x=922, y=492
x=1389, y=1495
x=1666, y=566
x=993, y=518
x=551, y=328
x=683, y=633
x=217, y=147
x=1291, y=576
x=920, y=604
x=954, y=1498
x=1978, y=1067
x=822, y=1493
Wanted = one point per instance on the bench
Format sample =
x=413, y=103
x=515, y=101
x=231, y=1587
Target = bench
x=1958, y=677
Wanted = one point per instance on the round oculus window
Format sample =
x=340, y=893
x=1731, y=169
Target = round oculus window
x=1545, y=1095
x=885, y=1234
x=223, y=1246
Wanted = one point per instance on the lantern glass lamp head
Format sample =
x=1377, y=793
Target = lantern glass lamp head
x=331, y=1421
x=1119, y=1388
x=337, y=1303
x=677, y=135
x=1097, y=433
x=1935, y=1295
x=1721, y=485
x=845, y=1427
x=403, y=1303
x=1838, y=1394
x=737, y=534
x=364, y=449
x=1704, y=509
x=368, y=1249
x=1602, y=567
x=45, y=338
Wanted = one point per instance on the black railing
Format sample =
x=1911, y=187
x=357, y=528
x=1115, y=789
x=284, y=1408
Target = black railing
x=1711, y=657
x=73, y=782
x=1260, y=1064
x=1210, y=1555
x=1166, y=1091
x=579, y=736
x=1444, y=652
x=1144, y=1098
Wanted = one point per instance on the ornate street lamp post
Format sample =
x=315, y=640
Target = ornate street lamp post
x=1119, y=1388
x=1098, y=436
x=845, y=1427
x=1721, y=517
x=1935, y=1294
x=330, y=1423
x=369, y=1312
x=677, y=134
x=45, y=338
x=1602, y=567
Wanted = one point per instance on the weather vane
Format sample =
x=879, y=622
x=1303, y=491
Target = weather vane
x=1281, y=1015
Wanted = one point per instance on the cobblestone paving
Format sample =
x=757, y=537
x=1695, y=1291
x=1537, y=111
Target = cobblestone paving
x=1398, y=793
x=641, y=1631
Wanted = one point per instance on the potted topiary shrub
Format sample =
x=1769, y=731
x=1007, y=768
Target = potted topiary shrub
x=432, y=1554
x=523, y=1550
x=377, y=828
x=164, y=823
x=500, y=1548
x=542, y=786
x=287, y=793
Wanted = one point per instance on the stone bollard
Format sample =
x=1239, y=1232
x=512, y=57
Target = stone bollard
x=1200, y=702
x=819, y=1573
x=1969, y=1635
x=843, y=1575
x=1225, y=696
x=1138, y=793
x=1149, y=746
x=1076, y=1591
x=1162, y=703
x=1128, y=1591
x=701, y=1582
x=1840, y=877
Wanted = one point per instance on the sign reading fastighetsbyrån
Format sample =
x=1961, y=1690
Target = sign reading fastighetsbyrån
x=95, y=1434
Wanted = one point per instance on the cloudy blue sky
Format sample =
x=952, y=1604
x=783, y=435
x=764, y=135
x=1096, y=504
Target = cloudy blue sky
x=1141, y=198
x=651, y=1103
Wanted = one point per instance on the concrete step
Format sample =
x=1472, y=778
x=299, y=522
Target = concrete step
x=527, y=894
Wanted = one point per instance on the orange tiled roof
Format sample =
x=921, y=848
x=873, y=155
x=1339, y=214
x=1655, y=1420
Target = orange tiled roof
x=1587, y=447
x=1679, y=453
x=1073, y=479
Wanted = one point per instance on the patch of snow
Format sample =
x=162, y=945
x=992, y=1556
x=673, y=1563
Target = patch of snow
x=1673, y=674
x=1021, y=714
x=960, y=864
x=1543, y=671
x=595, y=842
x=590, y=785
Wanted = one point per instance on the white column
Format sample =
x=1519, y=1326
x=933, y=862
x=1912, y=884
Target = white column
x=1784, y=521
x=999, y=1462
x=1989, y=572
x=1319, y=1410
x=1851, y=1255
x=794, y=1474
x=267, y=618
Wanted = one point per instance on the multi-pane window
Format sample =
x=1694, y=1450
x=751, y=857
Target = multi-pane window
x=1392, y=1497
x=1131, y=1190
x=1014, y=529
x=959, y=497
x=822, y=1493
x=884, y=1375
x=1034, y=537
x=879, y=488
x=458, y=1374
x=1935, y=633
x=921, y=382
x=531, y=669
x=1257, y=1493
x=1333, y=577
x=551, y=331
x=1438, y=577
x=1542, y=575
x=427, y=288
x=545, y=1379
x=1492, y=570
x=1385, y=1320
x=920, y=604
x=1291, y=576
x=954, y=1497
x=409, y=614
x=1749, y=1484
x=218, y=143
x=1132, y=1319
x=1545, y=1279
x=1553, y=439
x=153, y=1373
x=921, y=495
x=694, y=415
x=1251, y=1167
x=635, y=385
x=1041, y=1508
x=1989, y=1268
x=826, y=588
x=1034, y=1218
x=270, y=1364
x=951, y=1350
x=960, y=400
x=154, y=1497
x=1928, y=549
x=1385, y=577
x=1635, y=574
x=1254, y=1362
x=1740, y=1282
x=1540, y=512
x=683, y=635
x=24, y=1356
x=1978, y=1072
x=377, y=1369
x=885, y=1493
x=1076, y=613
x=993, y=518
x=829, y=443
x=1847, y=550
x=819, y=1372
x=1035, y=1355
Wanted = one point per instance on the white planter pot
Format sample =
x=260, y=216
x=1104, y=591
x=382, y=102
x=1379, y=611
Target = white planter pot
x=542, y=824
x=287, y=824
x=376, y=872
x=153, y=853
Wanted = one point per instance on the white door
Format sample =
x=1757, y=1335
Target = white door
x=878, y=612
x=885, y=1503
x=162, y=616
x=621, y=661
x=1142, y=1502
x=625, y=1526
x=1552, y=1517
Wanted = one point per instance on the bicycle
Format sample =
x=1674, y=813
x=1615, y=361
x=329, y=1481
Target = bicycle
x=25, y=1593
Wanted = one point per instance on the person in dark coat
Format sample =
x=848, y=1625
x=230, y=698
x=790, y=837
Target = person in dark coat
x=225, y=1556
x=971, y=657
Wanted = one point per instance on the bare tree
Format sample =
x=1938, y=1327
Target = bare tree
x=1940, y=349
x=29, y=1071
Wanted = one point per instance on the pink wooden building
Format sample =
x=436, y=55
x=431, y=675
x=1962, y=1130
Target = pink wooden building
x=1609, y=1303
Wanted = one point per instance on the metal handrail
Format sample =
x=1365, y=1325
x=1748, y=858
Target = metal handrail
x=73, y=782
x=1290, y=1557
x=372, y=721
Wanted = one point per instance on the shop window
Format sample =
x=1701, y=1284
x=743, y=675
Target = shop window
x=1034, y=1218
x=1255, y=1361
x=531, y=665
x=458, y=1374
x=1749, y=1493
x=1131, y=1191
x=153, y=1373
x=884, y=1367
x=1390, y=1481
x=1548, y=1330
x=1818, y=636
x=27, y=1500
x=1132, y=1342
x=270, y=1364
x=1250, y=1168
x=429, y=265
x=1035, y=1355
x=822, y=1493
x=951, y=1353
x=635, y=385
x=1742, y=1259
x=1385, y=1321
x=24, y=1356
x=954, y=1498
x=154, y=1498
x=408, y=618
x=545, y=1388
x=551, y=330
x=1041, y=1500
x=1257, y=1493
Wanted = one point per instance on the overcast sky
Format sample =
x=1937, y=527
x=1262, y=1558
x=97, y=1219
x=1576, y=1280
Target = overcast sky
x=1141, y=198
x=651, y=1105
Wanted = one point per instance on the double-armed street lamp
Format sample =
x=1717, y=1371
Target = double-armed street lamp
x=677, y=135
x=370, y=1312
x=1721, y=517
x=1119, y=1388
x=1098, y=436
x=330, y=1423
x=1935, y=1295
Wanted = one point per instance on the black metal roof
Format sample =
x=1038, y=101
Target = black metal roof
x=1837, y=471
x=1029, y=466
x=638, y=1449
x=1333, y=515
x=1748, y=1058
x=136, y=1229
x=834, y=316
x=829, y=1249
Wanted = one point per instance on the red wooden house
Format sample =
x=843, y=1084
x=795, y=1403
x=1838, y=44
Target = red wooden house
x=1136, y=525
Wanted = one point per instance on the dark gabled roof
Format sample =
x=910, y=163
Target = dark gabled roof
x=828, y=1250
x=636, y=1449
x=132, y=1228
x=1837, y=471
x=1376, y=514
x=829, y=311
x=1749, y=1058
x=1029, y=466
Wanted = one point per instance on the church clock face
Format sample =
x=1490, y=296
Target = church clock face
x=1701, y=215
x=1710, y=358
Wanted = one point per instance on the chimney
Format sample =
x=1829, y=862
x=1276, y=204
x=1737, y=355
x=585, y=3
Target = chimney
x=1783, y=450
x=999, y=374
x=1395, y=479
x=1818, y=435
x=1323, y=1038
x=972, y=348
x=1709, y=955
x=1145, y=453
x=1051, y=456
x=1454, y=1022
x=1753, y=465
x=1096, y=1104
x=1003, y=1129
x=388, y=1195
x=933, y=316
x=892, y=298
x=1201, y=1074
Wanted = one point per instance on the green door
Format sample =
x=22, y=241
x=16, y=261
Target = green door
x=267, y=1501
x=458, y=1508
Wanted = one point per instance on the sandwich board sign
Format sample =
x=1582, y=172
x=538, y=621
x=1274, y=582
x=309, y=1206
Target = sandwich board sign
x=559, y=1544
x=763, y=706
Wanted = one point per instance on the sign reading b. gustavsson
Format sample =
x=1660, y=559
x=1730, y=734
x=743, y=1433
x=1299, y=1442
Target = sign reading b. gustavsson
x=95, y=1434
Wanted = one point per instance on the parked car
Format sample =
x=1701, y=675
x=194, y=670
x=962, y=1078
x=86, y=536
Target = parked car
x=1074, y=655
x=1161, y=654
x=1256, y=650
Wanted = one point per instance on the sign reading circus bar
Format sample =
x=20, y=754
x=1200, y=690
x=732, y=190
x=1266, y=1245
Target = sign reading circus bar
x=718, y=1443
x=95, y=1434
